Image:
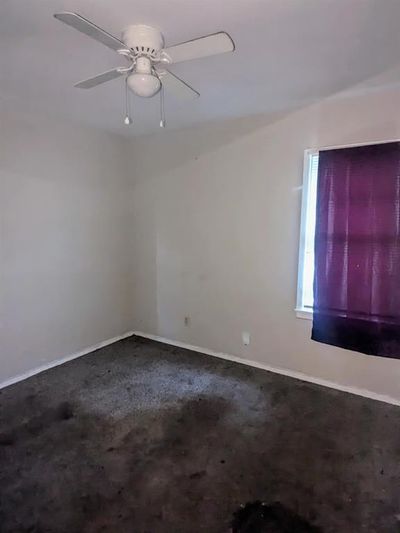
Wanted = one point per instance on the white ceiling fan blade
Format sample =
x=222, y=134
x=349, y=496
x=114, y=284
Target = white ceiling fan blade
x=100, y=78
x=177, y=86
x=90, y=29
x=217, y=43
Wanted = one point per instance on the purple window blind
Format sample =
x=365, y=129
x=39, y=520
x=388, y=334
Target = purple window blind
x=357, y=249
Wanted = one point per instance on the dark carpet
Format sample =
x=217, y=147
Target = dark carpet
x=141, y=437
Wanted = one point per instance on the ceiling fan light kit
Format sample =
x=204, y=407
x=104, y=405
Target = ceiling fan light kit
x=142, y=81
x=143, y=48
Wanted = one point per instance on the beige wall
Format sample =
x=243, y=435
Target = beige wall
x=64, y=261
x=215, y=229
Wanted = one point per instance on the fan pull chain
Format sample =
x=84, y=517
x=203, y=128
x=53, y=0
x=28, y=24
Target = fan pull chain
x=162, y=109
x=127, y=120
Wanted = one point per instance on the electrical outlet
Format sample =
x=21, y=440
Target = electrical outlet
x=245, y=338
x=187, y=321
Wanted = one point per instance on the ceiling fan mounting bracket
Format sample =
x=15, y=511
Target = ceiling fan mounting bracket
x=143, y=40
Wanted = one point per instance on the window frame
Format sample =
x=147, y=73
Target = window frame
x=300, y=309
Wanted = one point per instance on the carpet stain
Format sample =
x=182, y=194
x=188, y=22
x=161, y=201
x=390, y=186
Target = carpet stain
x=7, y=440
x=260, y=517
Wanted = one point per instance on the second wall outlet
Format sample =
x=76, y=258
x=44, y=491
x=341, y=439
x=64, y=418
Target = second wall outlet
x=245, y=338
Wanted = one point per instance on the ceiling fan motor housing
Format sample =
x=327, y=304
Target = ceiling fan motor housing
x=143, y=40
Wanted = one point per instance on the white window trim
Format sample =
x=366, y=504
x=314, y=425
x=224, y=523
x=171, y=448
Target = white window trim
x=302, y=312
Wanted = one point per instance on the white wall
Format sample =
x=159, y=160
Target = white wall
x=210, y=231
x=64, y=259
x=215, y=229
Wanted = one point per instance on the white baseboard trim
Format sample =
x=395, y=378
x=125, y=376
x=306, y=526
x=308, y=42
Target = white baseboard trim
x=63, y=360
x=283, y=371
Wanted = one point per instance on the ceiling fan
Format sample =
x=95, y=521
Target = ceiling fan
x=146, y=72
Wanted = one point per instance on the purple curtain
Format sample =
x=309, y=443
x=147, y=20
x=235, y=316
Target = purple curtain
x=357, y=249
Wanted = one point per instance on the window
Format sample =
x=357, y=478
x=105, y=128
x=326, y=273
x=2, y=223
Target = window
x=356, y=300
x=306, y=253
x=356, y=234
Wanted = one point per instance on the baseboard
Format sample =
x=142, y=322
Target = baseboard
x=277, y=370
x=63, y=360
x=283, y=371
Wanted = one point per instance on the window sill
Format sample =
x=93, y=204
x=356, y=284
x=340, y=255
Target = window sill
x=305, y=314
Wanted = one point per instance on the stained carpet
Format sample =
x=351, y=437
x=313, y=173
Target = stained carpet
x=142, y=437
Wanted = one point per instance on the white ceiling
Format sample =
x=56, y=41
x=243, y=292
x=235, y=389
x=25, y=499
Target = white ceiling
x=288, y=53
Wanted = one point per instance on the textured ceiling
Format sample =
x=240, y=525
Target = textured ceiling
x=288, y=53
